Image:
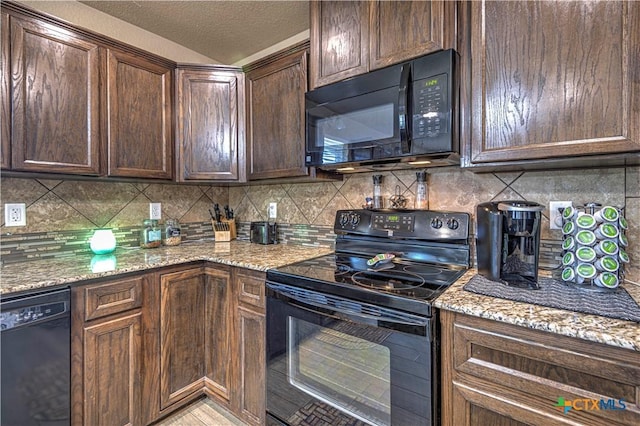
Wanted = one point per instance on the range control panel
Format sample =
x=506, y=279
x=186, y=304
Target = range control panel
x=411, y=224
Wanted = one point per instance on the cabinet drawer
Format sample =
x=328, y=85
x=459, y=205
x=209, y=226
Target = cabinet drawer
x=251, y=289
x=111, y=298
x=536, y=364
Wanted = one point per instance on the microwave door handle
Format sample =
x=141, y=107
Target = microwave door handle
x=403, y=103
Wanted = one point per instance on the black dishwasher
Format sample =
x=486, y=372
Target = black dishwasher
x=35, y=359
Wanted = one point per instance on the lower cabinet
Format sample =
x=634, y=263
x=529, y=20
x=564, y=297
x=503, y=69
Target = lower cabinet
x=145, y=345
x=107, y=353
x=249, y=392
x=500, y=374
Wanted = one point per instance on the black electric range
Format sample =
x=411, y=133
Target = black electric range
x=424, y=252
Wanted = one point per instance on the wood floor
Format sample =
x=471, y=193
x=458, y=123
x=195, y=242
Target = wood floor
x=202, y=412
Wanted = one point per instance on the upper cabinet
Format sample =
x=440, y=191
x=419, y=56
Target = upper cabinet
x=140, y=117
x=79, y=103
x=210, y=125
x=275, y=116
x=351, y=38
x=5, y=93
x=548, y=82
x=56, y=99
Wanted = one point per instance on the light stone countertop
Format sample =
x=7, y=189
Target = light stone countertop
x=614, y=332
x=44, y=274
x=41, y=274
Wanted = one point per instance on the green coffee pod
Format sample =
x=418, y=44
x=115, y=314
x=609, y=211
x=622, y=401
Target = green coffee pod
x=568, y=274
x=607, y=279
x=586, y=221
x=569, y=243
x=568, y=259
x=622, y=240
x=606, y=214
x=585, y=237
x=607, y=230
x=606, y=247
x=586, y=270
x=623, y=257
x=568, y=228
x=585, y=254
x=607, y=263
x=623, y=223
x=569, y=213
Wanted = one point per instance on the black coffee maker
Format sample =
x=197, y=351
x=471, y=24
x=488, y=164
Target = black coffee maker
x=508, y=242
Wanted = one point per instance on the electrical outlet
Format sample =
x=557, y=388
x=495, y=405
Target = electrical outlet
x=15, y=214
x=555, y=213
x=155, y=211
x=273, y=210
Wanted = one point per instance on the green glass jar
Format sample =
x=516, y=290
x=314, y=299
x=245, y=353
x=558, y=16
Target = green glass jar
x=150, y=234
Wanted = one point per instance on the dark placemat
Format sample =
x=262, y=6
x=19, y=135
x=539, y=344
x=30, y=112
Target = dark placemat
x=612, y=303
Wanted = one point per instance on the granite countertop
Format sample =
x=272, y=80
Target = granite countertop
x=614, y=332
x=34, y=275
x=40, y=274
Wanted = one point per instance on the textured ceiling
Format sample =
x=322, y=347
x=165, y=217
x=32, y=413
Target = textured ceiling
x=227, y=31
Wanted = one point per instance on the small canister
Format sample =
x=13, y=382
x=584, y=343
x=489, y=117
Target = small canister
x=607, y=279
x=607, y=264
x=606, y=214
x=172, y=233
x=586, y=238
x=607, y=231
x=586, y=221
x=150, y=234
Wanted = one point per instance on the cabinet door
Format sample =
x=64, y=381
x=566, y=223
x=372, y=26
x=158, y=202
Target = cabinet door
x=5, y=96
x=251, y=336
x=218, y=320
x=553, y=79
x=210, y=125
x=276, y=117
x=401, y=30
x=56, y=98
x=251, y=344
x=339, y=40
x=112, y=372
x=140, y=134
x=182, y=335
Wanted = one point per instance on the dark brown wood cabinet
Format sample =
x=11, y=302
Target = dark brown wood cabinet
x=250, y=343
x=107, y=354
x=351, y=38
x=276, y=115
x=210, y=124
x=81, y=103
x=547, y=81
x=501, y=374
x=5, y=95
x=195, y=334
x=56, y=99
x=140, y=137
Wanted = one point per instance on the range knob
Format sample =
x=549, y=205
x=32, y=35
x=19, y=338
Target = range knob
x=355, y=219
x=344, y=219
x=453, y=223
x=436, y=223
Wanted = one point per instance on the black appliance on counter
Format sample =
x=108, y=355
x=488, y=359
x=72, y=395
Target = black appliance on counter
x=263, y=233
x=398, y=114
x=35, y=360
x=352, y=336
x=508, y=242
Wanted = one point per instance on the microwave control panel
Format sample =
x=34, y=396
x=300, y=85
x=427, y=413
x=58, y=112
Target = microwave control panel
x=431, y=113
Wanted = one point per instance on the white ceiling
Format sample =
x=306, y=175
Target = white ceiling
x=226, y=30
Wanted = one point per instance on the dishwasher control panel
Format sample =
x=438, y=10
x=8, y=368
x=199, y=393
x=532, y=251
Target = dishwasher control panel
x=13, y=318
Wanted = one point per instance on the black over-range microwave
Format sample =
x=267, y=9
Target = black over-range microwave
x=400, y=114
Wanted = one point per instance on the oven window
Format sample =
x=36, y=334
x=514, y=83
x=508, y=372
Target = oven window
x=337, y=367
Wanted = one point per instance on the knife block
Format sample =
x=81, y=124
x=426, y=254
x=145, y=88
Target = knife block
x=225, y=230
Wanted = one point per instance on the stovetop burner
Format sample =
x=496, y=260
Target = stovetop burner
x=430, y=248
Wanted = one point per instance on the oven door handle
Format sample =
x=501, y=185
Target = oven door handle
x=334, y=307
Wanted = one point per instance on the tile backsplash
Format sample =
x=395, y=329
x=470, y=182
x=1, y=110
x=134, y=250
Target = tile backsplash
x=68, y=205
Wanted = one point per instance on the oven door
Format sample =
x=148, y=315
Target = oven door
x=346, y=362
